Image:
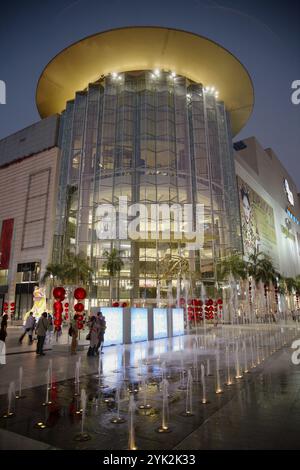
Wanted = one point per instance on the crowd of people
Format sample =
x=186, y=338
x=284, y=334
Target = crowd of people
x=43, y=328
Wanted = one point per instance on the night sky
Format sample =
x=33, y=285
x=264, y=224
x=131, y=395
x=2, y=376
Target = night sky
x=264, y=35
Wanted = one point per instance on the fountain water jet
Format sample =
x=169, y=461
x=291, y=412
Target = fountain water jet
x=145, y=405
x=10, y=401
x=47, y=401
x=164, y=428
x=238, y=373
x=228, y=378
x=189, y=396
x=204, y=400
x=218, y=387
x=83, y=436
x=131, y=411
x=19, y=395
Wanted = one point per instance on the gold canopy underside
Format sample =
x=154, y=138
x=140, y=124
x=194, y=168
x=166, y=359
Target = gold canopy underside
x=146, y=48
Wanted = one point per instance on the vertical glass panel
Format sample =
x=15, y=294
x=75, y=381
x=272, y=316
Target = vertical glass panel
x=160, y=323
x=114, y=325
x=178, y=321
x=139, y=324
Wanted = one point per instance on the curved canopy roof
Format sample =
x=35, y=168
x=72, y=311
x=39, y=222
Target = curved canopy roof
x=146, y=48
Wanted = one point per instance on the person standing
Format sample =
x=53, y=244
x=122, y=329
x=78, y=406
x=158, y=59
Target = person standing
x=3, y=334
x=102, y=327
x=74, y=330
x=28, y=328
x=93, y=336
x=41, y=330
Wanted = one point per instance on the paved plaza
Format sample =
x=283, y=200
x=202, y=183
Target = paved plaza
x=260, y=410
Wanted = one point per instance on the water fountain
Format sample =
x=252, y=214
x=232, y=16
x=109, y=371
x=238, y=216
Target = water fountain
x=83, y=436
x=238, y=373
x=204, y=400
x=208, y=371
x=19, y=395
x=131, y=412
x=77, y=381
x=252, y=352
x=10, y=401
x=195, y=362
x=51, y=374
x=47, y=400
x=144, y=405
x=118, y=419
x=218, y=380
x=228, y=376
x=189, y=396
x=246, y=370
x=99, y=375
x=182, y=384
x=164, y=428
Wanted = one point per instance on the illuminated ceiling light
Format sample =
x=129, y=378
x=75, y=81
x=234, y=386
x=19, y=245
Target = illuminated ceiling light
x=114, y=75
x=173, y=74
x=157, y=72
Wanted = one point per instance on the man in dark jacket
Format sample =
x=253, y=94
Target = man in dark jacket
x=41, y=330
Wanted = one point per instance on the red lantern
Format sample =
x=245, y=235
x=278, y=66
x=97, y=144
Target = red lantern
x=57, y=306
x=79, y=326
x=5, y=307
x=115, y=304
x=220, y=301
x=66, y=305
x=200, y=302
x=80, y=293
x=79, y=307
x=12, y=308
x=210, y=302
x=124, y=304
x=59, y=293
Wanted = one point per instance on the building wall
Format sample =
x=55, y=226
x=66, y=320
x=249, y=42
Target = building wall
x=28, y=195
x=29, y=141
x=265, y=174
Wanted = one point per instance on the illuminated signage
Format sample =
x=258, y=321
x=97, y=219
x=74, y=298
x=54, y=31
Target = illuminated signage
x=139, y=324
x=178, y=321
x=160, y=323
x=292, y=216
x=114, y=325
x=288, y=192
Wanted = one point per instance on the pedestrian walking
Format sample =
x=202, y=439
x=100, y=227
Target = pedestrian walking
x=41, y=330
x=28, y=328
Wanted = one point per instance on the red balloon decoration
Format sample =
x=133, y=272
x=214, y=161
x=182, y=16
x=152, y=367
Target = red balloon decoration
x=59, y=293
x=80, y=293
x=79, y=307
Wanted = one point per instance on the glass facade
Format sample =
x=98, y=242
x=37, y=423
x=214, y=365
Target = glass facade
x=155, y=139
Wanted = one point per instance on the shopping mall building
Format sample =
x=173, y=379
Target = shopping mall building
x=147, y=114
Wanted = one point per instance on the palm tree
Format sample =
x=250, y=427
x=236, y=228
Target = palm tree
x=234, y=266
x=261, y=268
x=73, y=270
x=113, y=266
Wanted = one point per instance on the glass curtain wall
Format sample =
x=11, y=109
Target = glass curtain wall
x=155, y=139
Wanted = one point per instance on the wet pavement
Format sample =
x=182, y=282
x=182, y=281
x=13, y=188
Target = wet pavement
x=259, y=411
